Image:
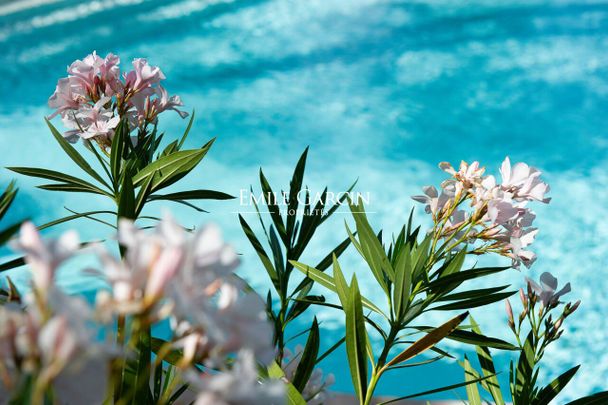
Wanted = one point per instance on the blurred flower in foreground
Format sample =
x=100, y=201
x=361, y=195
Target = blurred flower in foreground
x=497, y=217
x=239, y=386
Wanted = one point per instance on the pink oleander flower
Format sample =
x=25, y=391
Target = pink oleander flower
x=94, y=98
x=143, y=75
x=152, y=259
x=547, y=290
x=45, y=257
x=523, y=181
x=434, y=202
x=498, y=218
x=237, y=386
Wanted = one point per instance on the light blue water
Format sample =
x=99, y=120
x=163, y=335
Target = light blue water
x=382, y=90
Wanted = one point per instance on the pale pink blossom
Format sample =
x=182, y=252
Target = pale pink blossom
x=238, y=386
x=468, y=174
x=523, y=181
x=94, y=72
x=143, y=75
x=45, y=256
x=316, y=391
x=433, y=200
x=68, y=96
x=519, y=239
x=547, y=290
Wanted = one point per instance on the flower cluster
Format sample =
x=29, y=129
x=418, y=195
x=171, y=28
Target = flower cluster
x=316, y=391
x=497, y=214
x=95, y=97
x=166, y=273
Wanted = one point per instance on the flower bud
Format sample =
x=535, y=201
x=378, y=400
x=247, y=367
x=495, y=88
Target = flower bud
x=523, y=298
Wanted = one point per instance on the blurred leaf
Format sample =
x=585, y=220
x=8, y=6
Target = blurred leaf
x=308, y=359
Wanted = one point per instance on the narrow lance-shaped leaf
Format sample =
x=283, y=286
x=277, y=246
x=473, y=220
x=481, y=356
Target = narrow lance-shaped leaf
x=328, y=282
x=470, y=377
x=308, y=359
x=74, y=155
x=356, y=340
x=429, y=340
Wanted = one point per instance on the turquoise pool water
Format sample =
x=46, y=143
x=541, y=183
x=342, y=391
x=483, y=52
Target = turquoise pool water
x=382, y=90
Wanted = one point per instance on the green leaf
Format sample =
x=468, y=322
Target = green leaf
x=429, y=340
x=550, y=391
x=324, y=264
x=193, y=195
x=434, y=391
x=74, y=155
x=470, y=377
x=473, y=338
x=328, y=282
x=474, y=302
x=273, y=208
x=59, y=177
x=599, y=398
x=295, y=185
x=259, y=249
x=472, y=294
x=356, y=340
x=168, y=169
x=371, y=248
x=173, y=356
x=8, y=233
x=308, y=359
x=116, y=153
x=73, y=217
x=126, y=199
x=293, y=395
x=448, y=283
x=487, y=366
x=186, y=132
x=7, y=198
x=403, y=282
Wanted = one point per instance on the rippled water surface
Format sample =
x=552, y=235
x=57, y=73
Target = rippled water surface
x=382, y=90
